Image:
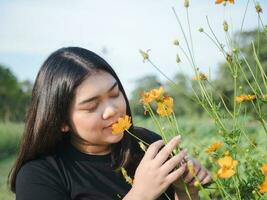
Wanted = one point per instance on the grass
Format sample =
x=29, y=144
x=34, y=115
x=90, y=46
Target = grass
x=10, y=134
x=197, y=134
x=5, y=166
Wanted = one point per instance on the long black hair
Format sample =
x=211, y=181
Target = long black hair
x=52, y=94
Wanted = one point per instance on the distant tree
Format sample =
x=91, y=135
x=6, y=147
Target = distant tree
x=14, y=96
x=224, y=81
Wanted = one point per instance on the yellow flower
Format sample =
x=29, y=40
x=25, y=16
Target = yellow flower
x=227, y=167
x=263, y=186
x=154, y=94
x=146, y=98
x=123, y=123
x=264, y=169
x=214, y=147
x=224, y=1
x=165, y=107
x=244, y=97
x=200, y=77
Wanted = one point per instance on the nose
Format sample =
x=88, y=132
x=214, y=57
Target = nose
x=109, y=111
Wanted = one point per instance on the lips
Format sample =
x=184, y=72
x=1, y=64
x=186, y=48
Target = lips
x=110, y=125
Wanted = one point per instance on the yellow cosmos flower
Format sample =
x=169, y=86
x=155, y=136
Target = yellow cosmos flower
x=264, y=169
x=153, y=95
x=244, y=97
x=214, y=147
x=123, y=123
x=165, y=107
x=227, y=167
x=146, y=98
x=263, y=186
x=224, y=1
x=157, y=93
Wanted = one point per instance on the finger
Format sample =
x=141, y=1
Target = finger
x=153, y=150
x=201, y=174
x=206, y=180
x=175, y=161
x=176, y=174
x=193, y=170
x=165, y=152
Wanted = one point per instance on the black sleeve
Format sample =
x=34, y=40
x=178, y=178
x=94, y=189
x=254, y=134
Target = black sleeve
x=37, y=180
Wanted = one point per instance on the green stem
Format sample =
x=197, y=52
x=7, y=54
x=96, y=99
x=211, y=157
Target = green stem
x=137, y=138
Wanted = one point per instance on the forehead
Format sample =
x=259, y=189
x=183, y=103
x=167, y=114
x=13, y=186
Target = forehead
x=95, y=84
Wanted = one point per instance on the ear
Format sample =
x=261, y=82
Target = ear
x=65, y=128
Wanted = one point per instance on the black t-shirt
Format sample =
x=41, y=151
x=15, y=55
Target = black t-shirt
x=71, y=174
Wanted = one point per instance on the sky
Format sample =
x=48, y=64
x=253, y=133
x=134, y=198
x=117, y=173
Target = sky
x=32, y=29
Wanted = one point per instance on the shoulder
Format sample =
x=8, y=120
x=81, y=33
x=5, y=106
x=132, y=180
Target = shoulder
x=36, y=176
x=146, y=134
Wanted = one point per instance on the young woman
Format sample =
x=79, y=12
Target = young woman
x=68, y=150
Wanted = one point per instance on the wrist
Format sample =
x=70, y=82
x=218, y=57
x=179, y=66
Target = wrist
x=134, y=194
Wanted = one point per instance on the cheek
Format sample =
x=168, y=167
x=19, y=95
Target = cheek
x=122, y=104
x=84, y=122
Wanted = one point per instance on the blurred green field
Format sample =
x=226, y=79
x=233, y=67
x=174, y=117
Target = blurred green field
x=197, y=134
x=10, y=134
x=9, y=138
x=5, y=165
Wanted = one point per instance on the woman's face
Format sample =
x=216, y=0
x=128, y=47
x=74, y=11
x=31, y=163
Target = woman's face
x=97, y=104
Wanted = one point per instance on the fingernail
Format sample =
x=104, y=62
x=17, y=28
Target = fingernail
x=178, y=137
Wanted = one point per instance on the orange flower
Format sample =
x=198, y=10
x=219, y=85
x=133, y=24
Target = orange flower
x=146, y=98
x=227, y=167
x=123, y=123
x=154, y=94
x=264, y=169
x=165, y=107
x=224, y=1
x=244, y=97
x=263, y=186
x=214, y=147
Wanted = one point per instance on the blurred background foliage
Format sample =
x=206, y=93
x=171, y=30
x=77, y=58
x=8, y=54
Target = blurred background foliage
x=15, y=96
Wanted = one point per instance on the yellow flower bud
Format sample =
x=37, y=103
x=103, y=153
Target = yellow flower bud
x=144, y=54
x=225, y=26
x=196, y=183
x=258, y=8
x=178, y=60
x=186, y=3
x=176, y=42
x=201, y=30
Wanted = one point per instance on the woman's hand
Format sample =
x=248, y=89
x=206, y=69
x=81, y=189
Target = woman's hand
x=196, y=173
x=155, y=172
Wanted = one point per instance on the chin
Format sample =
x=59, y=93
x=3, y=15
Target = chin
x=117, y=138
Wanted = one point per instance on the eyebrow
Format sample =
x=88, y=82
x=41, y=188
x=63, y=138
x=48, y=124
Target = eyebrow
x=96, y=97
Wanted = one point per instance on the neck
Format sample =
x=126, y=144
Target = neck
x=89, y=148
